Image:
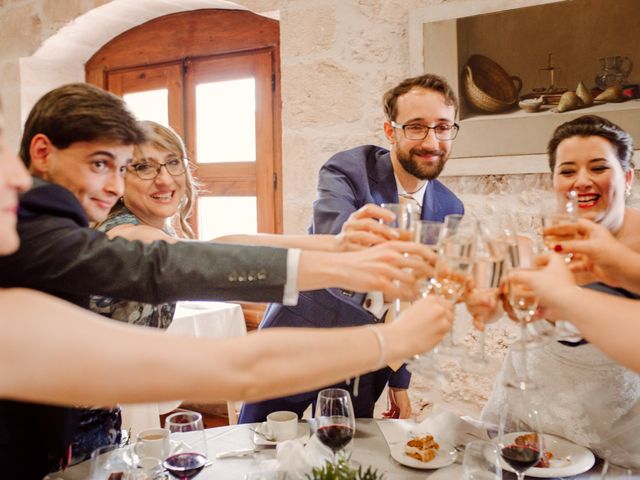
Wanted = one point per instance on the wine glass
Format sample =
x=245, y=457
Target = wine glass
x=426, y=232
x=453, y=269
x=186, y=428
x=481, y=461
x=519, y=436
x=334, y=420
x=405, y=216
x=490, y=266
x=111, y=461
x=613, y=471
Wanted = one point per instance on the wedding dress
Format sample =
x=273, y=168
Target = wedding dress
x=580, y=392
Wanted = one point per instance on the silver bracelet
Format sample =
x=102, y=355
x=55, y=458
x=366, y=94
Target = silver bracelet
x=381, y=360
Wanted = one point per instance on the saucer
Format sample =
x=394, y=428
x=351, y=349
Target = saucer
x=303, y=434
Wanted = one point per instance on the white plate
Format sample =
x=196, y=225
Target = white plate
x=568, y=458
x=446, y=456
x=303, y=434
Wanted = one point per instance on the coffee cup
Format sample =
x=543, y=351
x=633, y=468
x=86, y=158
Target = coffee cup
x=153, y=443
x=281, y=425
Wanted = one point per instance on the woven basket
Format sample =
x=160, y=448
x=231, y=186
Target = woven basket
x=487, y=87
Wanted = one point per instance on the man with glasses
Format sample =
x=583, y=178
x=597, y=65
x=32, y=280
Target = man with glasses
x=420, y=126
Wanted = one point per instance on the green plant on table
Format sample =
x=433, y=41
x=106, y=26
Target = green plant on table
x=342, y=471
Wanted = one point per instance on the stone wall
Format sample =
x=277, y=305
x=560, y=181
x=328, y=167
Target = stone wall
x=338, y=57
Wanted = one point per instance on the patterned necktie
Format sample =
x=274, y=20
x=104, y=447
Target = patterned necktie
x=406, y=199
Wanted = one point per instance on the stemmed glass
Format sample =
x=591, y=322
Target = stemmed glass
x=611, y=471
x=405, y=216
x=426, y=232
x=560, y=223
x=454, y=265
x=496, y=252
x=481, y=461
x=111, y=461
x=334, y=421
x=490, y=266
x=186, y=427
x=519, y=435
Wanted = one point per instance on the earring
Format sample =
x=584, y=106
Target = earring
x=627, y=191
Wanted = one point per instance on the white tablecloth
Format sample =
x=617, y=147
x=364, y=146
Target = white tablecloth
x=369, y=449
x=197, y=319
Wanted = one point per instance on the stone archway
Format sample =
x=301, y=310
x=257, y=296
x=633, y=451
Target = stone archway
x=61, y=58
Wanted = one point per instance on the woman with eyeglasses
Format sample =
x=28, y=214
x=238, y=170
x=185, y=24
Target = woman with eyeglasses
x=159, y=197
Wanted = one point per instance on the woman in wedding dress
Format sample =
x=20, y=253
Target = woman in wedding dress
x=580, y=391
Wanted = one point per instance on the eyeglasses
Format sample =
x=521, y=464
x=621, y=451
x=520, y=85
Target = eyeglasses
x=150, y=170
x=414, y=131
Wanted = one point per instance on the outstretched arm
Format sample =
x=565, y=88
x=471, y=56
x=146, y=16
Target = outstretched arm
x=43, y=340
x=610, y=323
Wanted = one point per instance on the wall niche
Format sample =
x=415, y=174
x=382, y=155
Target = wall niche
x=519, y=35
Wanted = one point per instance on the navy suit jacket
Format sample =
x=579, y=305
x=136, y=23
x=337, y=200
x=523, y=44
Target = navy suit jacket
x=348, y=181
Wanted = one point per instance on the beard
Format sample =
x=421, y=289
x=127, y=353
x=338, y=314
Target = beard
x=416, y=168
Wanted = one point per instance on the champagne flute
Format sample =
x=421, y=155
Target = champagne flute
x=524, y=303
x=453, y=269
x=560, y=223
x=519, y=436
x=334, y=421
x=428, y=233
x=186, y=427
x=496, y=252
x=489, y=268
x=405, y=216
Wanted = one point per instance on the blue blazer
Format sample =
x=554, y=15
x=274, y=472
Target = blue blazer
x=348, y=181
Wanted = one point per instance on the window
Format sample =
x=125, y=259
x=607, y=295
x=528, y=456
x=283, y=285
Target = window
x=212, y=75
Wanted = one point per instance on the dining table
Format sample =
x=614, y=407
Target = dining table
x=369, y=448
x=194, y=319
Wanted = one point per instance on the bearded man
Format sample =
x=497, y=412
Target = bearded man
x=420, y=126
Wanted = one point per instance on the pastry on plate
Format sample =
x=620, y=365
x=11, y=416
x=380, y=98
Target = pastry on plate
x=423, y=449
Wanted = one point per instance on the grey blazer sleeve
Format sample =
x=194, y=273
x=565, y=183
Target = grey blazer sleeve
x=62, y=258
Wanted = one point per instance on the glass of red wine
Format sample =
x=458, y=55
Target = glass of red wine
x=190, y=454
x=334, y=421
x=519, y=436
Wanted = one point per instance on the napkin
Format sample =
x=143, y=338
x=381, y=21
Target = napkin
x=298, y=459
x=443, y=424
